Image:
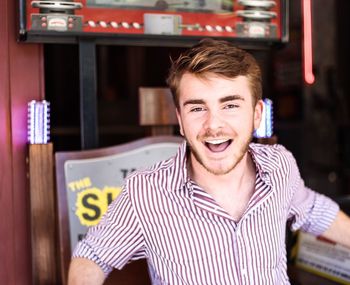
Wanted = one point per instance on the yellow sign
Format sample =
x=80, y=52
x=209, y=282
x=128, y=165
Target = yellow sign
x=93, y=202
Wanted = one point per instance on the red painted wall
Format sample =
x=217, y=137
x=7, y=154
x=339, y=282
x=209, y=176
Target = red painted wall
x=21, y=80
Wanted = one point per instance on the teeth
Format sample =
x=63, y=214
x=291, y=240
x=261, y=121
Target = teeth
x=217, y=141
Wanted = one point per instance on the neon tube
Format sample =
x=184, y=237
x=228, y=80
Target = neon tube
x=265, y=129
x=309, y=76
x=38, y=122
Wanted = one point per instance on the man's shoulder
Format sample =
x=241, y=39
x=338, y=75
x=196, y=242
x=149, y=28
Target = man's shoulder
x=164, y=175
x=268, y=150
x=156, y=169
x=272, y=154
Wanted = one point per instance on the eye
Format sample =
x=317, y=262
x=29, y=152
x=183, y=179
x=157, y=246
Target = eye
x=196, y=109
x=231, y=106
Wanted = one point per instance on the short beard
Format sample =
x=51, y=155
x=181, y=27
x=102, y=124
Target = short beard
x=241, y=154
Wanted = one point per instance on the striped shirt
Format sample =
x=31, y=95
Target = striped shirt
x=188, y=238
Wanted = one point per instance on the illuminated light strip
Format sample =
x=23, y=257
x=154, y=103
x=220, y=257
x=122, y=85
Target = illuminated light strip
x=309, y=76
x=38, y=122
x=265, y=129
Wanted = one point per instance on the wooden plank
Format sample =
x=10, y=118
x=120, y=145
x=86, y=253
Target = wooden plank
x=157, y=110
x=43, y=213
x=156, y=107
x=26, y=74
x=19, y=81
x=21, y=77
x=7, y=271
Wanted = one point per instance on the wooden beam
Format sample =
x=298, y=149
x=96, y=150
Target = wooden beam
x=21, y=77
x=157, y=110
x=43, y=214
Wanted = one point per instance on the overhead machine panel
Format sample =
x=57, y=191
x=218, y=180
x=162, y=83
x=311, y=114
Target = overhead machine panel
x=260, y=20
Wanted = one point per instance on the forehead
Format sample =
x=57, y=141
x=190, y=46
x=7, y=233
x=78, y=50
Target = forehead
x=212, y=86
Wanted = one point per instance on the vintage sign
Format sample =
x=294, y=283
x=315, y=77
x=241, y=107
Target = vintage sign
x=93, y=183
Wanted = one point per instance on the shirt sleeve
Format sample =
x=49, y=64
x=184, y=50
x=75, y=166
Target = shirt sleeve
x=116, y=240
x=310, y=211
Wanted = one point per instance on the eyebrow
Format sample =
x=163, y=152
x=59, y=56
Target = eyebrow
x=193, y=102
x=231, y=98
x=221, y=100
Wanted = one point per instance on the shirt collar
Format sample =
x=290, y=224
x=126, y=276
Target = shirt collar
x=180, y=177
x=265, y=162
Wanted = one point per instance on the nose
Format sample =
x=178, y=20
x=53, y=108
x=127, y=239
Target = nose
x=213, y=121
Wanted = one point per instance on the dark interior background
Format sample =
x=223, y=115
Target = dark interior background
x=311, y=121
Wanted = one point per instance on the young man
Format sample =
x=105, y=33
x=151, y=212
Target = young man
x=215, y=213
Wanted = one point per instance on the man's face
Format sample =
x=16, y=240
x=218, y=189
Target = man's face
x=217, y=118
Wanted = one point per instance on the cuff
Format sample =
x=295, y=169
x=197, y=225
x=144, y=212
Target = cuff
x=83, y=250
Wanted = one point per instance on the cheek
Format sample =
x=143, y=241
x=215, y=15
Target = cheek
x=186, y=127
x=192, y=129
x=244, y=126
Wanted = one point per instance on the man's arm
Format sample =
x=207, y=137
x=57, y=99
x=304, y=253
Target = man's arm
x=83, y=271
x=339, y=231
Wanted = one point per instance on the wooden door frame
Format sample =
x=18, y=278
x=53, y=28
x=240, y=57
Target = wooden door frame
x=21, y=77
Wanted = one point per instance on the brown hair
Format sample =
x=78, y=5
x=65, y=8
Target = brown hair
x=217, y=57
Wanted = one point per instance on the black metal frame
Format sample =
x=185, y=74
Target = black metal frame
x=87, y=58
x=88, y=94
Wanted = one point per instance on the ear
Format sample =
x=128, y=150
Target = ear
x=178, y=115
x=258, y=111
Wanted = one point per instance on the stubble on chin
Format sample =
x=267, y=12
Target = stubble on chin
x=195, y=155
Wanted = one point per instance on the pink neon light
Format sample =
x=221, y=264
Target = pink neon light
x=309, y=76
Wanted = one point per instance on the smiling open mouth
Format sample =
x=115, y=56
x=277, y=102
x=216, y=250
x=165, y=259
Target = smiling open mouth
x=218, y=145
